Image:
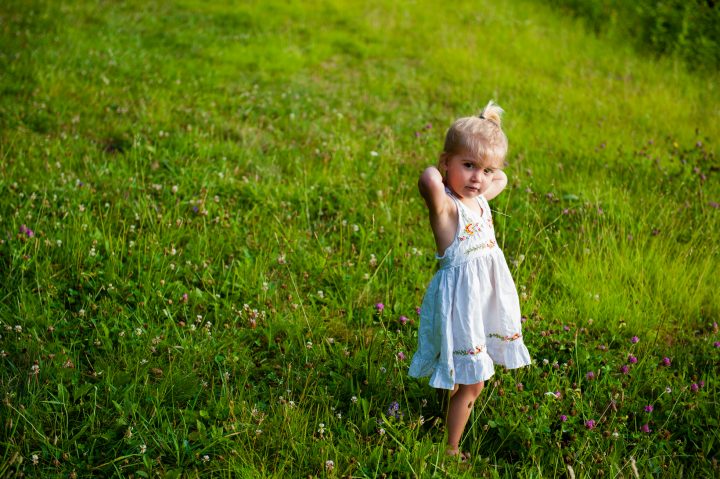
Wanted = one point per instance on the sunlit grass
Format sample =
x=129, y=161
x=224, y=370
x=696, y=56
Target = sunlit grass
x=203, y=205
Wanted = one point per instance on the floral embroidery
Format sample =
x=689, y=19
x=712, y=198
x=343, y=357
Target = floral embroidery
x=489, y=244
x=471, y=229
x=506, y=338
x=469, y=352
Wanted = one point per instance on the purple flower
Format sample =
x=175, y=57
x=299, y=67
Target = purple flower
x=403, y=320
x=566, y=328
x=394, y=410
x=694, y=387
x=590, y=424
x=401, y=356
x=649, y=408
x=634, y=339
x=666, y=361
x=417, y=309
x=624, y=369
x=701, y=384
x=563, y=417
x=632, y=359
x=27, y=231
x=380, y=307
x=645, y=428
x=590, y=375
x=717, y=344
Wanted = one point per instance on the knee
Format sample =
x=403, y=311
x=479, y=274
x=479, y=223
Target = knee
x=476, y=389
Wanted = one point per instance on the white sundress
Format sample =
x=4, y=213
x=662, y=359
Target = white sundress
x=470, y=315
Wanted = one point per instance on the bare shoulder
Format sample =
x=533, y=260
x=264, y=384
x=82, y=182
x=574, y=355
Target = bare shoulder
x=442, y=210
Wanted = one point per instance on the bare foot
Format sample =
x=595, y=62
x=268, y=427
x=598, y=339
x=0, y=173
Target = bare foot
x=464, y=456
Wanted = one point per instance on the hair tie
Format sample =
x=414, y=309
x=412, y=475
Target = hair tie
x=488, y=119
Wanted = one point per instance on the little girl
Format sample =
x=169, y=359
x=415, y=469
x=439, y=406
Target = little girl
x=470, y=316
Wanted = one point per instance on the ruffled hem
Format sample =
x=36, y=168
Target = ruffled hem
x=510, y=354
x=464, y=370
x=471, y=369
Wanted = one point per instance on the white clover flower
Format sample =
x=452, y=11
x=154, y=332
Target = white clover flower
x=381, y=431
x=143, y=448
x=374, y=153
x=329, y=465
x=18, y=328
x=35, y=459
x=321, y=294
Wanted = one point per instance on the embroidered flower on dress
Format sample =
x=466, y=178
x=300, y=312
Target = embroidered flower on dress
x=506, y=338
x=469, y=352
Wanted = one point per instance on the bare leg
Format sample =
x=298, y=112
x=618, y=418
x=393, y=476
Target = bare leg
x=461, y=403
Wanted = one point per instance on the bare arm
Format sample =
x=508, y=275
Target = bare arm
x=498, y=184
x=432, y=190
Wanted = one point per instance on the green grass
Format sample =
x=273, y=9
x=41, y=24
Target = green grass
x=261, y=158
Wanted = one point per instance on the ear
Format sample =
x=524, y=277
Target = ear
x=443, y=164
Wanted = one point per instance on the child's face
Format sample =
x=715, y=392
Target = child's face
x=467, y=176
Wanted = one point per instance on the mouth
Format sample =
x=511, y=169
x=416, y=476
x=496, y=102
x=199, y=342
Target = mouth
x=473, y=188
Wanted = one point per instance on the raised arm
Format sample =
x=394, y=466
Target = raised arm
x=432, y=190
x=499, y=182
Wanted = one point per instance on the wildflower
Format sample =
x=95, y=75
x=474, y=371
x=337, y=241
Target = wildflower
x=649, y=408
x=563, y=417
x=281, y=259
x=666, y=361
x=374, y=153
x=321, y=294
x=381, y=431
x=590, y=375
x=309, y=345
x=645, y=428
x=258, y=432
x=184, y=298
x=401, y=356
x=668, y=390
x=634, y=339
x=716, y=344
x=143, y=448
x=545, y=362
x=694, y=387
x=354, y=399
x=373, y=260
x=35, y=459
x=205, y=458
x=18, y=328
x=417, y=309
x=380, y=307
x=632, y=359
x=321, y=429
x=624, y=369
x=34, y=370
x=590, y=424
x=394, y=410
x=329, y=466
x=403, y=320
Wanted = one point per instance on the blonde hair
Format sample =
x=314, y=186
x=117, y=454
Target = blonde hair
x=480, y=136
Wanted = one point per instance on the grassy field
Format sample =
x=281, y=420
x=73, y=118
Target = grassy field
x=204, y=205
